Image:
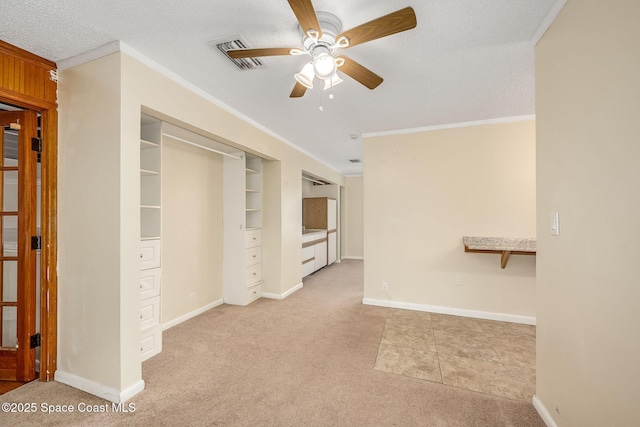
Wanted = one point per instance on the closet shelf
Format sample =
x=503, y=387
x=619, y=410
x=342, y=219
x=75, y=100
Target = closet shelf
x=251, y=190
x=147, y=172
x=252, y=210
x=148, y=144
x=149, y=207
x=252, y=170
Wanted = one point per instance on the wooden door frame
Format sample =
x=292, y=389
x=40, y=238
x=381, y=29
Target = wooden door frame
x=29, y=81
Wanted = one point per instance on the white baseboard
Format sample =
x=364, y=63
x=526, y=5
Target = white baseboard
x=97, y=389
x=543, y=412
x=191, y=314
x=284, y=295
x=502, y=317
x=359, y=258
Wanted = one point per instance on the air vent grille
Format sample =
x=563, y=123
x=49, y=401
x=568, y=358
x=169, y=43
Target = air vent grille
x=236, y=42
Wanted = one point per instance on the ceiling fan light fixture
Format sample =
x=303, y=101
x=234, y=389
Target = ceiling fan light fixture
x=306, y=75
x=329, y=83
x=324, y=66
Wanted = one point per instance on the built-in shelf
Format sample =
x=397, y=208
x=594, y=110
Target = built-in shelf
x=253, y=210
x=147, y=172
x=149, y=237
x=149, y=207
x=144, y=144
x=250, y=190
x=248, y=170
x=505, y=246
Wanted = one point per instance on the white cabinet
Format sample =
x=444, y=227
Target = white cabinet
x=150, y=236
x=242, y=217
x=322, y=213
x=314, y=251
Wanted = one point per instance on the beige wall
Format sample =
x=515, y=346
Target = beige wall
x=353, y=236
x=191, y=228
x=587, y=109
x=424, y=191
x=96, y=299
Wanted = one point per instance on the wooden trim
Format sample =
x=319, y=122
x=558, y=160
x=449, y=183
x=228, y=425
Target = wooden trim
x=313, y=243
x=49, y=251
x=25, y=56
x=25, y=81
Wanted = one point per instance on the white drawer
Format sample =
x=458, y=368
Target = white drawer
x=149, y=312
x=308, y=253
x=149, y=283
x=308, y=268
x=252, y=238
x=151, y=342
x=253, y=256
x=149, y=254
x=253, y=274
x=254, y=292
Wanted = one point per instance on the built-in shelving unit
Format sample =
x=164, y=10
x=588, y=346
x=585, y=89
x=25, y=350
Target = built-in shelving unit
x=150, y=235
x=253, y=192
x=242, y=269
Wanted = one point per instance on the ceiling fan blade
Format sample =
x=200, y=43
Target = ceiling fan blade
x=252, y=53
x=360, y=73
x=298, y=91
x=307, y=18
x=396, y=22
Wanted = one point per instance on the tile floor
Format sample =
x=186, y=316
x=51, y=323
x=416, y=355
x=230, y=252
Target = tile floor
x=486, y=356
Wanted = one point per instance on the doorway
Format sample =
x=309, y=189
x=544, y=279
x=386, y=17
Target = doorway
x=28, y=84
x=19, y=243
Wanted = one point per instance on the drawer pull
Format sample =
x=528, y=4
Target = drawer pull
x=141, y=255
x=254, y=256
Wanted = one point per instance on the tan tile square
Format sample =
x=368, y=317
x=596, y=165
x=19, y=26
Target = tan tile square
x=516, y=356
x=456, y=324
x=412, y=336
x=525, y=379
x=411, y=362
x=474, y=347
x=397, y=315
x=478, y=375
x=514, y=343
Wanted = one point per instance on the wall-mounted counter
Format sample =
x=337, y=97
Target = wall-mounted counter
x=505, y=246
x=314, y=251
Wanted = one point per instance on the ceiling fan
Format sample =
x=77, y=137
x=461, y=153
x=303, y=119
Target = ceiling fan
x=322, y=37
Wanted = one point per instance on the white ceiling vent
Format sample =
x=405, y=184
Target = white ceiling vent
x=237, y=42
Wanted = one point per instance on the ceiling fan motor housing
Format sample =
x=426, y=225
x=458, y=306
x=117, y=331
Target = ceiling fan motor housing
x=330, y=25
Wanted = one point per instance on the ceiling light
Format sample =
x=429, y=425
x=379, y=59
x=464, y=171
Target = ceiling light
x=329, y=83
x=324, y=66
x=305, y=77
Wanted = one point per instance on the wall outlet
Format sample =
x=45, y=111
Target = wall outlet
x=192, y=297
x=385, y=286
x=458, y=280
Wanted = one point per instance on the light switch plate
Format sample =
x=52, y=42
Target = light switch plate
x=555, y=224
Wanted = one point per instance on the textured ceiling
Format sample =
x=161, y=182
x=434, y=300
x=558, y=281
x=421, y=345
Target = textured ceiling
x=467, y=60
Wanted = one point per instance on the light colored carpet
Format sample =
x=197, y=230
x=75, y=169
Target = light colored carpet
x=307, y=360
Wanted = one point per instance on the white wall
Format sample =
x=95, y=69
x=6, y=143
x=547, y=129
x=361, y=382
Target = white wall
x=424, y=191
x=587, y=110
x=98, y=296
